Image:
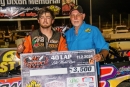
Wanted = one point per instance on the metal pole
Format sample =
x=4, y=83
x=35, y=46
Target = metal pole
x=112, y=21
x=120, y=19
x=99, y=22
x=91, y=12
x=128, y=23
x=19, y=25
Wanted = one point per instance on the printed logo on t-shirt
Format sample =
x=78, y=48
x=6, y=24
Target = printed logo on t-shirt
x=38, y=41
x=88, y=30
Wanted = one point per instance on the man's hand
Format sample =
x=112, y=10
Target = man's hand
x=53, y=51
x=20, y=45
x=20, y=48
x=97, y=57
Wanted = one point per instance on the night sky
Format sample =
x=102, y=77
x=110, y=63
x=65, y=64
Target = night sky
x=100, y=6
x=106, y=7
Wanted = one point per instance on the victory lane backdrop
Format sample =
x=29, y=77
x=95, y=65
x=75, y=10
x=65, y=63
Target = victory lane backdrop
x=59, y=69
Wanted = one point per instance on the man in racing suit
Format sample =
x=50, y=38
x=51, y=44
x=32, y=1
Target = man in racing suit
x=44, y=39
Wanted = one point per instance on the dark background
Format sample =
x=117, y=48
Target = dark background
x=105, y=8
x=102, y=8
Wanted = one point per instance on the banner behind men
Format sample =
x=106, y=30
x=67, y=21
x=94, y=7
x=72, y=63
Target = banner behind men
x=29, y=8
x=59, y=69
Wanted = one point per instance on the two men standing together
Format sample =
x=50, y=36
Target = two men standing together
x=81, y=36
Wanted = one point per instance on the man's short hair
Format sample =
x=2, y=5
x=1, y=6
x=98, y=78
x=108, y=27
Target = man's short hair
x=45, y=10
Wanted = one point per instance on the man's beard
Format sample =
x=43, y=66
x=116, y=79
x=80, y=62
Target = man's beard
x=45, y=26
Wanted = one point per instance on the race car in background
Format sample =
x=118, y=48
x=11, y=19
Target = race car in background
x=115, y=70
